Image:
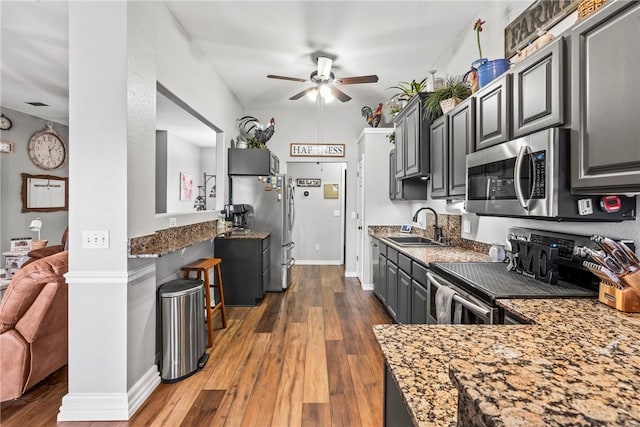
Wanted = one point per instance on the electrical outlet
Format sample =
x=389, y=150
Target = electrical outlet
x=466, y=226
x=317, y=247
x=172, y=222
x=95, y=239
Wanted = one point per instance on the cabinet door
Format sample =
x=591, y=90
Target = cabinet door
x=605, y=142
x=493, y=106
x=462, y=137
x=400, y=148
x=382, y=266
x=439, y=154
x=404, y=297
x=392, y=173
x=392, y=289
x=538, y=90
x=412, y=147
x=419, y=297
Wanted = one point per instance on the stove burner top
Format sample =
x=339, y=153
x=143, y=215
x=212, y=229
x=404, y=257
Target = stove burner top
x=491, y=281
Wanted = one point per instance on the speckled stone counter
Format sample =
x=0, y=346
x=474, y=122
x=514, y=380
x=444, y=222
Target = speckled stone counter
x=429, y=254
x=172, y=239
x=578, y=365
x=245, y=235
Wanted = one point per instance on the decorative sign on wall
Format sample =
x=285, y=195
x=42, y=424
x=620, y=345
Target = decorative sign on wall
x=331, y=191
x=44, y=193
x=316, y=150
x=308, y=182
x=186, y=186
x=542, y=14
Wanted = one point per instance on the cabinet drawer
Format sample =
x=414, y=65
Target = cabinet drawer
x=404, y=262
x=419, y=273
x=392, y=255
x=266, y=243
x=383, y=248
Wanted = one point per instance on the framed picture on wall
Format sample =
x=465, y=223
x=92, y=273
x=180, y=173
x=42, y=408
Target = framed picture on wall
x=186, y=186
x=44, y=193
x=331, y=191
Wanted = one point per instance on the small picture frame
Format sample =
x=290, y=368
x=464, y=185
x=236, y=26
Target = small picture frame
x=331, y=191
x=405, y=228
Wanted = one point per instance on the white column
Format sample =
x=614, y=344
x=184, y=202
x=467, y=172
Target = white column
x=97, y=278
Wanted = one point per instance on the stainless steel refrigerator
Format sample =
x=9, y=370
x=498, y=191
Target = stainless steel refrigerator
x=271, y=198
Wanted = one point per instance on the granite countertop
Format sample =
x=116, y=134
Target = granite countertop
x=427, y=254
x=250, y=234
x=579, y=364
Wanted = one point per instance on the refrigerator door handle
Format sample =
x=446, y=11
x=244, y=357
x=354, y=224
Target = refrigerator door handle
x=290, y=245
x=291, y=262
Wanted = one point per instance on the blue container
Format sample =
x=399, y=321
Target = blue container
x=489, y=70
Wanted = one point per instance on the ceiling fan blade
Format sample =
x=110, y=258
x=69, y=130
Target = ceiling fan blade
x=339, y=94
x=356, y=80
x=293, y=79
x=301, y=94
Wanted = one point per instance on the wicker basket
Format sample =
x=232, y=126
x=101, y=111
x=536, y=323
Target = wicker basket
x=449, y=104
x=587, y=7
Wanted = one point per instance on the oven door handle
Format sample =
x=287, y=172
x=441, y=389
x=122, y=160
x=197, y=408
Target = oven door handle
x=524, y=150
x=476, y=309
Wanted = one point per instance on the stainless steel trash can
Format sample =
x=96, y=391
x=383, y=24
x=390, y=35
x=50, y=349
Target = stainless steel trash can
x=183, y=328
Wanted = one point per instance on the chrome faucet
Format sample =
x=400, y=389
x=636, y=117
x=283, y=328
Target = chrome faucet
x=437, y=231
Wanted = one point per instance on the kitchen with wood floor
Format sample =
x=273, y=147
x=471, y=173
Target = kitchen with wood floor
x=408, y=213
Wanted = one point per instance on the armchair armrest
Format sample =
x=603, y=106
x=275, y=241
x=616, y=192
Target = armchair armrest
x=46, y=251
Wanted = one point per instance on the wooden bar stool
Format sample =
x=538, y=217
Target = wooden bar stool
x=202, y=267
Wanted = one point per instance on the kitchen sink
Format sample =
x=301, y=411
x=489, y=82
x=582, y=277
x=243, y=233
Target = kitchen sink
x=413, y=241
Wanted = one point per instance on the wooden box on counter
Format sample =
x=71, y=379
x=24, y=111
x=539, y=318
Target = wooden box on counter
x=625, y=299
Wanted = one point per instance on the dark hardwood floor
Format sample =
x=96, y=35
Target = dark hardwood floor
x=305, y=357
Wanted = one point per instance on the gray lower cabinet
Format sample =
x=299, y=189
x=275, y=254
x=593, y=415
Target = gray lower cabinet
x=381, y=290
x=404, y=297
x=493, y=113
x=392, y=289
x=605, y=105
x=245, y=267
x=396, y=413
x=538, y=90
x=419, y=297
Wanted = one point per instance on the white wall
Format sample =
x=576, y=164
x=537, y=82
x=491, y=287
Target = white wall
x=342, y=124
x=183, y=157
x=13, y=222
x=316, y=222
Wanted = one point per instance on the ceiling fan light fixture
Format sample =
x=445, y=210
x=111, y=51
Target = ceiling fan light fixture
x=313, y=95
x=324, y=67
x=325, y=92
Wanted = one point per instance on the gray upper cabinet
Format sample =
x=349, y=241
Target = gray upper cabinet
x=493, y=113
x=605, y=104
x=462, y=140
x=412, y=140
x=538, y=90
x=405, y=189
x=439, y=155
x=452, y=138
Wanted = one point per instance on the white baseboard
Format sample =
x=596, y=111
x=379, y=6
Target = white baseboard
x=94, y=407
x=367, y=286
x=318, y=262
x=142, y=389
x=109, y=406
x=350, y=274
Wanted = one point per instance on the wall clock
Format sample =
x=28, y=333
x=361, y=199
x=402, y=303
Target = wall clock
x=47, y=149
x=5, y=123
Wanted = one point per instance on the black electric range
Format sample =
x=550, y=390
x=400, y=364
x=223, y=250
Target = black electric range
x=490, y=281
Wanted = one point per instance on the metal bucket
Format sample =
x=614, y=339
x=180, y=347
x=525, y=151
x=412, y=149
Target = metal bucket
x=489, y=70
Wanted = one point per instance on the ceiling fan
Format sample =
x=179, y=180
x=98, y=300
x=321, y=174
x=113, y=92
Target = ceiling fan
x=326, y=82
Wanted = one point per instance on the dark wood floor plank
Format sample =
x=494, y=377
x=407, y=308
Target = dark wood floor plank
x=204, y=408
x=316, y=414
x=341, y=390
x=348, y=322
x=368, y=386
x=271, y=313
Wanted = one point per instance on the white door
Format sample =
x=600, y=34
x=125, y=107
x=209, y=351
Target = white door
x=359, y=221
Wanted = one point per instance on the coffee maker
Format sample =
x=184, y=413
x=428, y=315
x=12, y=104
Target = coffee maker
x=237, y=215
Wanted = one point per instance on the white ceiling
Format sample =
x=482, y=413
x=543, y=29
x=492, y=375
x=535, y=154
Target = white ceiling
x=245, y=41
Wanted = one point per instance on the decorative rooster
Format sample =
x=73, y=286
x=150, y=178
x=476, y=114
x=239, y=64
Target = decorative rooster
x=252, y=131
x=372, y=118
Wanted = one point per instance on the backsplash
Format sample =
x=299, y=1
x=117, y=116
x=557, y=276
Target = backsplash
x=172, y=239
x=451, y=230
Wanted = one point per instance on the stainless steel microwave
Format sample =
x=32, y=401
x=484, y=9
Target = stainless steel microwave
x=529, y=177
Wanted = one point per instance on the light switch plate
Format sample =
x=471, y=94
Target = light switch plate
x=95, y=239
x=466, y=226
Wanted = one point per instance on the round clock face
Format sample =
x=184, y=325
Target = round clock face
x=5, y=123
x=47, y=150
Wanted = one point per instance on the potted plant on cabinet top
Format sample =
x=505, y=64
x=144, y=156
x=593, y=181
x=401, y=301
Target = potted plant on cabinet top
x=444, y=99
x=407, y=90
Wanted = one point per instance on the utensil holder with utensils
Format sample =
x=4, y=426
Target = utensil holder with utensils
x=623, y=297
